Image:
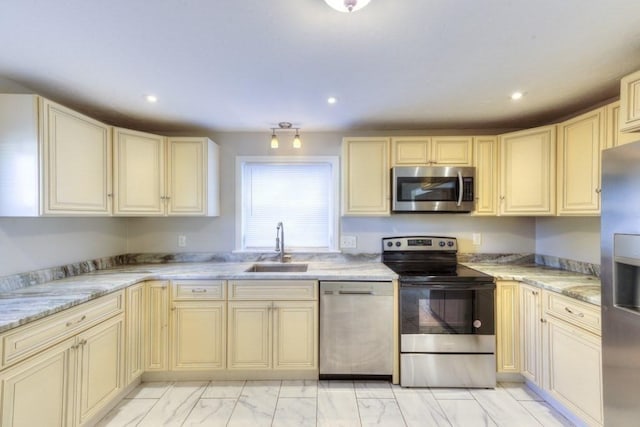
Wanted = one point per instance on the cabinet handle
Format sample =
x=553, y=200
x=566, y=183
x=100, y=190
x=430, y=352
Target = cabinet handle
x=199, y=291
x=77, y=321
x=173, y=309
x=573, y=312
x=501, y=197
x=168, y=198
x=543, y=320
x=109, y=194
x=598, y=190
x=534, y=292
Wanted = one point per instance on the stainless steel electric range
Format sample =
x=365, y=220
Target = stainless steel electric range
x=447, y=319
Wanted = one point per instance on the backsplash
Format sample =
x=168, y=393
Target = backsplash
x=17, y=281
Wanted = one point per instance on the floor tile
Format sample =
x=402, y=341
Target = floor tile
x=223, y=390
x=420, y=408
x=150, y=390
x=545, y=414
x=503, y=408
x=129, y=412
x=451, y=394
x=256, y=405
x=380, y=412
x=466, y=413
x=373, y=389
x=210, y=412
x=174, y=406
x=300, y=388
x=337, y=404
x=295, y=412
x=520, y=391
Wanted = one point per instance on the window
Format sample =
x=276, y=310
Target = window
x=300, y=192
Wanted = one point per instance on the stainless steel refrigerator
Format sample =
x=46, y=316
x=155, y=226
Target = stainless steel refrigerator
x=620, y=274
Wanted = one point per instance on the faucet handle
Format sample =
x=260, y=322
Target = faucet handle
x=286, y=258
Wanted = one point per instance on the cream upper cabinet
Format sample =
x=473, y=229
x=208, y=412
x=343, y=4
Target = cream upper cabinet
x=139, y=173
x=580, y=141
x=365, y=176
x=157, y=330
x=614, y=136
x=630, y=102
x=531, y=333
x=507, y=326
x=485, y=160
x=155, y=175
x=528, y=172
x=76, y=161
x=198, y=325
x=53, y=160
x=436, y=150
x=135, y=324
x=193, y=182
x=273, y=324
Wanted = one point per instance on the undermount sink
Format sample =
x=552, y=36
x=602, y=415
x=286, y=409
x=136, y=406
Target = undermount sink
x=277, y=268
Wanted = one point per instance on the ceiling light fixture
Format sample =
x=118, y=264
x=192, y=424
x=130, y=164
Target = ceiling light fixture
x=332, y=100
x=516, y=96
x=151, y=98
x=285, y=126
x=347, y=5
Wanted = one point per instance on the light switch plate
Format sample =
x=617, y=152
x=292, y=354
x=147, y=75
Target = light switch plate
x=182, y=241
x=477, y=239
x=348, y=242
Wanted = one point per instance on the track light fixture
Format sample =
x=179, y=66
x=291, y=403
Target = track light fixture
x=285, y=126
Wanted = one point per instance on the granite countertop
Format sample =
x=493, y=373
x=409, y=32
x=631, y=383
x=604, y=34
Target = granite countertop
x=575, y=285
x=30, y=303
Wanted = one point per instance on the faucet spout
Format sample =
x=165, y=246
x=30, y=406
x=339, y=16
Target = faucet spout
x=280, y=241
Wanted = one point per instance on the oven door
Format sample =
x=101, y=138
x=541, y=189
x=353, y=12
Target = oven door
x=447, y=318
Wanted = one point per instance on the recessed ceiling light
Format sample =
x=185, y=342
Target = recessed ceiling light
x=516, y=96
x=151, y=98
x=332, y=100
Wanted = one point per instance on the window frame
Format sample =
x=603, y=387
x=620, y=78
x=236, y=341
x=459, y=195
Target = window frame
x=334, y=218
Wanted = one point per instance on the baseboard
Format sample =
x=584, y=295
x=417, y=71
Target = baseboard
x=509, y=377
x=229, y=375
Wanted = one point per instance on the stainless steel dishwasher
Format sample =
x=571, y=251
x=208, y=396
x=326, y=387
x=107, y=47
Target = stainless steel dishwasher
x=356, y=329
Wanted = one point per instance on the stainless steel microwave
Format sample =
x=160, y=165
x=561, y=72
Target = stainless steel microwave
x=432, y=189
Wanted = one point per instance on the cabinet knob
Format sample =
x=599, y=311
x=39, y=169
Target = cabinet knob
x=598, y=190
x=543, y=320
x=109, y=194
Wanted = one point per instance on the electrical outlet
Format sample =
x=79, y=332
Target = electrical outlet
x=182, y=241
x=348, y=242
x=477, y=239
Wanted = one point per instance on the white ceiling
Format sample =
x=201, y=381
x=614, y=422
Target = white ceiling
x=231, y=65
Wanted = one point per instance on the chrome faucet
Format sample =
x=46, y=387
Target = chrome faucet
x=280, y=241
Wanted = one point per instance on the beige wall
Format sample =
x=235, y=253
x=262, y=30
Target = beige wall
x=567, y=237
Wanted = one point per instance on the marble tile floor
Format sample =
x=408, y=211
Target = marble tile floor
x=328, y=404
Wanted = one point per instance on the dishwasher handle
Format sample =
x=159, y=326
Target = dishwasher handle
x=341, y=292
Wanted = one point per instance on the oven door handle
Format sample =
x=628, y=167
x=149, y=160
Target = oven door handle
x=460, y=188
x=450, y=287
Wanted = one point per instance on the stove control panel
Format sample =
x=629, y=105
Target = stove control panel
x=419, y=243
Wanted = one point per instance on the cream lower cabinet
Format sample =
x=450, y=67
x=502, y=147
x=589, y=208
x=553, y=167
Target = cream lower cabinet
x=528, y=172
x=507, y=326
x=135, y=298
x=198, y=325
x=68, y=383
x=157, y=330
x=266, y=333
x=531, y=334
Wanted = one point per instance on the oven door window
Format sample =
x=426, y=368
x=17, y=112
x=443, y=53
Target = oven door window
x=431, y=189
x=439, y=311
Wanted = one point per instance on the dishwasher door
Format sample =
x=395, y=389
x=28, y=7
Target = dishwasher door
x=356, y=329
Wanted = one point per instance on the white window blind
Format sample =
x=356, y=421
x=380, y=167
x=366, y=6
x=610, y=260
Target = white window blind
x=300, y=195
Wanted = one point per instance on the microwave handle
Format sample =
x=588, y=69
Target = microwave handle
x=460, y=188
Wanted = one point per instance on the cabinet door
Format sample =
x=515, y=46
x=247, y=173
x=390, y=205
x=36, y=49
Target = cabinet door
x=101, y=366
x=630, y=102
x=485, y=159
x=187, y=173
x=37, y=391
x=528, y=171
x=580, y=141
x=76, y=162
x=365, y=176
x=198, y=335
x=135, y=323
x=508, y=326
x=531, y=333
x=157, y=331
x=614, y=136
x=138, y=173
x=452, y=150
x=410, y=150
x=575, y=369
x=249, y=343
x=295, y=335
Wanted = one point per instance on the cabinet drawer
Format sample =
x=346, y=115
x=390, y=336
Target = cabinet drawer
x=198, y=289
x=273, y=290
x=30, y=339
x=573, y=311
